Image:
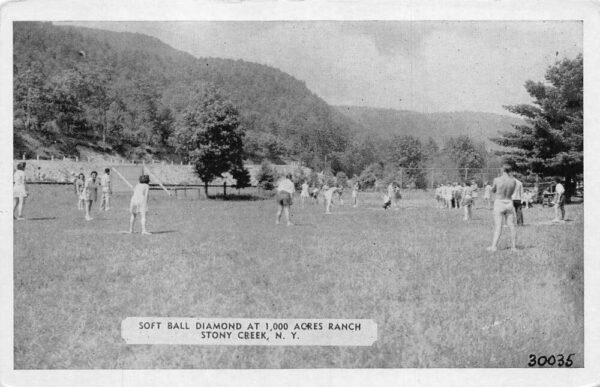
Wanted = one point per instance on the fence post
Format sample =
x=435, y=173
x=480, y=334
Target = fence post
x=37, y=157
x=51, y=158
x=224, y=188
x=23, y=156
x=185, y=190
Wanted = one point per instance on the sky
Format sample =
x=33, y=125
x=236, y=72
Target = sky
x=433, y=66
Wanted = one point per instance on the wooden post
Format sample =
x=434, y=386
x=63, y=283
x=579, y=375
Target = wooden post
x=51, y=158
x=224, y=189
x=185, y=190
x=37, y=157
x=23, y=156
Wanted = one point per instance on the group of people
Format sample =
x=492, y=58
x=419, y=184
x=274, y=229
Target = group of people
x=508, y=205
x=86, y=190
x=285, y=191
x=87, y=193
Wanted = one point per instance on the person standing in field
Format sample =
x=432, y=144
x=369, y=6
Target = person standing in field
x=487, y=195
x=285, y=191
x=314, y=193
x=355, y=187
x=328, y=198
x=90, y=193
x=19, y=191
x=304, y=194
x=503, y=188
x=474, y=193
x=139, y=203
x=517, y=198
x=467, y=202
x=106, y=190
x=559, y=202
x=79, y=184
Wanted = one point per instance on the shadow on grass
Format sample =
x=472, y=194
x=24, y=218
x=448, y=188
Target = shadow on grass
x=240, y=197
x=163, y=232
x=43, y=218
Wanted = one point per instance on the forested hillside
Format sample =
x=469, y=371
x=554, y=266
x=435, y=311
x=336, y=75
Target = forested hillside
x=78, y=89
x=125, y=92
x=388, y=122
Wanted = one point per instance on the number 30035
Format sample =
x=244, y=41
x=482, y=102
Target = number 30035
x=551, y=361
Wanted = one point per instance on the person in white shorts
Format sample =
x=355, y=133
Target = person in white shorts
x=19, y=191
x=304, y=193
x=90, y=193
x=328, y=198
x=355, y=194
x=467, y=202
x=285, y=192
x=504, y=187
x=79, y=184
x=106, y=190
x=487, y=195
x=139, y=203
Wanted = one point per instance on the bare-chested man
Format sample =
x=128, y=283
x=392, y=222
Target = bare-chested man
x=503, y=187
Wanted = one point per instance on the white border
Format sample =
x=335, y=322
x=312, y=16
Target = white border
x=62, y=10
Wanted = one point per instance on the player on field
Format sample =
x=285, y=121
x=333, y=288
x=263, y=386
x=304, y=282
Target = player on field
x=355, y=187
x=79, y=184
x=559, y=202
x=304, y=194
x=503, y=188
x=139, y=203
x=19, y=191
x=467, y=202
x=90, y=193
x=328, y=197
x=106, y=190
x=285, y=192
x=487, y=195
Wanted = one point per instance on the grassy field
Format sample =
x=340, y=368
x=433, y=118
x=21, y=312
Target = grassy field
x=422, y=274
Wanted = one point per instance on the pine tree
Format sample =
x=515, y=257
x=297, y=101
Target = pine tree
x=550, y=143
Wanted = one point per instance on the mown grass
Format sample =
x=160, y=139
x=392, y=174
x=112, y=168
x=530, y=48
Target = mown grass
x=439, y=299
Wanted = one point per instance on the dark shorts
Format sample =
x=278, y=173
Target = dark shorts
x=283, y=198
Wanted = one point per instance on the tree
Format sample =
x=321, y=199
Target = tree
x=465, y=154
x=209, y=135
x=341, y=179
x=369, y=176
x=550, y=143
x=405, y=154
x=266, y=176
x=241, y=176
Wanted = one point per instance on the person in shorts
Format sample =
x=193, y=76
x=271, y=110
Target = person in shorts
x=503, y=188
x=467, y=202
x=304, y=193
x=285, y=192
x=329, y=198
x=79, y=184
x=139, y=203
x=355, y=187
x=90, y=193
x=559, y=202
x=106, y=185
x=19, y=191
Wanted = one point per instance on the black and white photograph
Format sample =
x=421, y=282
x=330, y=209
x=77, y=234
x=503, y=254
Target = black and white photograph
x=297, y=194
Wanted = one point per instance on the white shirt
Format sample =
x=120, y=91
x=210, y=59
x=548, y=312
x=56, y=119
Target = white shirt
x=560, y=189
x=105, y=182
x=518, y=193
x=286, y=185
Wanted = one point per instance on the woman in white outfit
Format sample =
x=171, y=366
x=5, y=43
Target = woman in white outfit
x=19, y=191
